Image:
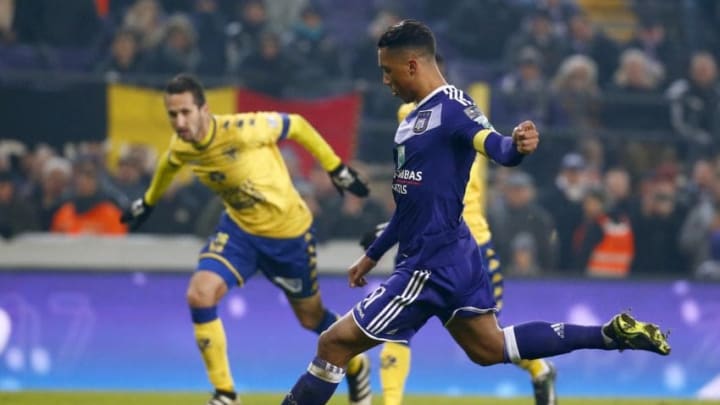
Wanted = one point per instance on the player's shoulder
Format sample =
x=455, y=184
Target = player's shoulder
x=459, y=107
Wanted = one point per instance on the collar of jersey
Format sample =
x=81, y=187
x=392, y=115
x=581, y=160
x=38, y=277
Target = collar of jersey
x=207, y=140
x=432, y=94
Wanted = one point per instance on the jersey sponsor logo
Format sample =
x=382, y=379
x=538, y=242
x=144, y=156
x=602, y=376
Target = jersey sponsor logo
x=399, y=188
x=422, y=121
x=403, y=178
x=559, y=329
x=411, y=175
x=292, y=285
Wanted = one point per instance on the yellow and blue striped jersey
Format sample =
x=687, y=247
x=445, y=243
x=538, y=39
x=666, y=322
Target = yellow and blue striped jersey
x=474, y=201
x=239, y=160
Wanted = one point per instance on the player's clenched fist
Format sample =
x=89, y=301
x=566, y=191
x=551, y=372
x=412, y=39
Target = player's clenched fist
x=526, y=137
x=136, y=214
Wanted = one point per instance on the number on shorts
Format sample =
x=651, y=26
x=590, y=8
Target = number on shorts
x=373, y=296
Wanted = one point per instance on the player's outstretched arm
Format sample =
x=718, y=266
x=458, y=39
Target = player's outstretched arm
x=508, y=150
x=141, y=208
x=343, y=177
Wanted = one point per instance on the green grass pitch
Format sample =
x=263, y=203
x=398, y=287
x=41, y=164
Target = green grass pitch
x=195, y=398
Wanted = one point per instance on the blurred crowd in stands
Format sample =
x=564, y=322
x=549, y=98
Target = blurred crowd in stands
x=625, y=92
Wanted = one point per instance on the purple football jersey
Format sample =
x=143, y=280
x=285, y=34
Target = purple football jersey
x=439, y=269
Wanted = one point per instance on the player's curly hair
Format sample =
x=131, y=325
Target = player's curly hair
x=408, y=34
x=187, y=83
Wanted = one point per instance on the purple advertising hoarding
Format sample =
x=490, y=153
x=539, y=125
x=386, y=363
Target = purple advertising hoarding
x=132, y=331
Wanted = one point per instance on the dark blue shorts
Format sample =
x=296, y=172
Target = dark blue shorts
x=397, y=309
x=236, y=255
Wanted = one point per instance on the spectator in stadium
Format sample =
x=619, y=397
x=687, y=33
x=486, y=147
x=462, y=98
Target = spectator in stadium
x=88, y=210
x=209, y=24
x=603, y=244
x=53, y=189
x=124, y=58
x=523, y=258
x=695, y=107
x=366, y=50
x=651, y=38
x=633, y=100
x=130, y=177
x=177, y=51
x=524, y=92
x=700, y=186
x=564, y=202
x=618, y=191
x=145, y=17
x=657, y=222
x=592, y=42
x=316, y=53
x=16, y=215
x=468, y=25
x=576, y=92
x=520, y=214
x=268, y=68
x=560, y=12
x=248, y=25
x=700, y=224
x=266, y=226
x=71, y=24
x=539, y=35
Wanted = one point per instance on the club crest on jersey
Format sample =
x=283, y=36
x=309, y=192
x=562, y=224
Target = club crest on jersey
x=422, y=121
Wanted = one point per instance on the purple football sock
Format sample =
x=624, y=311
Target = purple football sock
x=534, y=340
x=317, y=385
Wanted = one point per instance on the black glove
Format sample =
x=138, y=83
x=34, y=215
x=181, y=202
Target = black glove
x=369, y=237
x=138, y=212
x=346, y=178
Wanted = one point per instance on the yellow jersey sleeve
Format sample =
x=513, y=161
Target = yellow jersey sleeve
x=302, y=132
x=166, y=169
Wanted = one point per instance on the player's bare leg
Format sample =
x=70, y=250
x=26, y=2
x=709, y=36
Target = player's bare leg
x=313, y=316
x=204, y=292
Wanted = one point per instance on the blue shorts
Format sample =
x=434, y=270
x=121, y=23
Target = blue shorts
x=397, y=309
x=236, y=255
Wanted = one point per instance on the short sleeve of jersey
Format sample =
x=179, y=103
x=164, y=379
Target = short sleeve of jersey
x=259, y=127
x=468, y=120
x=271, y=126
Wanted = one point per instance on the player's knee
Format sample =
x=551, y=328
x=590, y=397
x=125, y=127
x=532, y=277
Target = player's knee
x=308, y=321
x=202, y=296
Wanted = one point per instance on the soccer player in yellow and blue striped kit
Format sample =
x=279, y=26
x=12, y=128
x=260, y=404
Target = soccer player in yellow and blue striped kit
x=395, y=357
x=266, y=225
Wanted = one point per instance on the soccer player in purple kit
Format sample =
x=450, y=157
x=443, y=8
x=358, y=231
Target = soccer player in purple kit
x=439, y=270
